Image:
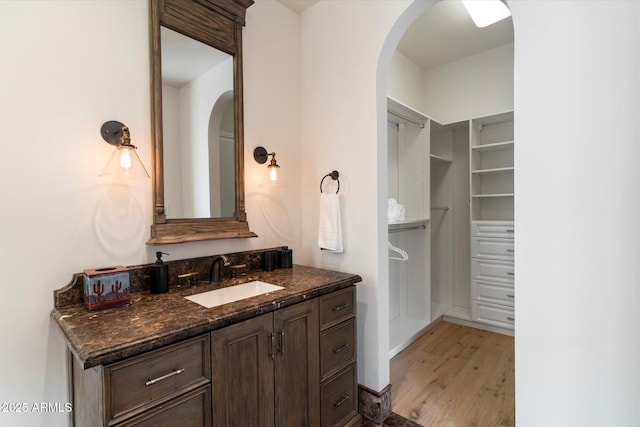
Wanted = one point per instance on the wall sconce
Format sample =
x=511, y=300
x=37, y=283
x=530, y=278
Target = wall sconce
x=124, y=160
x=261, y=155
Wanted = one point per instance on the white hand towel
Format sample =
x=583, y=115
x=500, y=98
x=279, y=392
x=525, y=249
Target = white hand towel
x=330, y=224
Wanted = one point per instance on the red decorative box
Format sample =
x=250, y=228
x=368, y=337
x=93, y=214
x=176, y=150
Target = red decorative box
x=106, y=287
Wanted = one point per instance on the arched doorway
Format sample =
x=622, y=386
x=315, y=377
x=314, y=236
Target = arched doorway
x=428, y=105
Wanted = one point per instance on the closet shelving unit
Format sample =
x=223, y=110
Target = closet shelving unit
x=409, y=165
x=492, y=215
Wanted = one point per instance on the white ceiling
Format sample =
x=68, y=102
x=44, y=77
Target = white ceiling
x=184, y=59
x=444, y=33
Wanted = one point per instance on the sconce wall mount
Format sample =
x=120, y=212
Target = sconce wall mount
x=261, y=155
x=124, y=160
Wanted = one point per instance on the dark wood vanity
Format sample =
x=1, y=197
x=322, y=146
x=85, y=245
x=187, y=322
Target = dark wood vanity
x=286, y=358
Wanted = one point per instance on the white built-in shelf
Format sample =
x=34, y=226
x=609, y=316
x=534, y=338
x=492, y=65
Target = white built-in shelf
x=492, y=170
x=440, y=159
x=504, y=145
x=493, y=195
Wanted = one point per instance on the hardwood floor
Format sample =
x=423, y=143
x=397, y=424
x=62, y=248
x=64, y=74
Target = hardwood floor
x=456, y=376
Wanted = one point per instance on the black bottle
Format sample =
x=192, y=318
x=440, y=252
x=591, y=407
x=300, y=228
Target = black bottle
x=159, y=275
x=286, y=257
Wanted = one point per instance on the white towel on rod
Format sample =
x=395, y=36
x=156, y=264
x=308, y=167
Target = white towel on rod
x=330, y=224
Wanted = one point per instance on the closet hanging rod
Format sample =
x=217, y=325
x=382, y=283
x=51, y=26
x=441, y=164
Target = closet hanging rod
x=407, y=119
x=440, y=208
x=415, y=227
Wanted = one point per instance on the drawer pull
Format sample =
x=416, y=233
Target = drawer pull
x=164, y=377
x=510, y=296
x=511, y=251
x=510, y=273
x=338, y=403
x=342, y=348
x=340, y=307
x=513, y=319
x=510, y=230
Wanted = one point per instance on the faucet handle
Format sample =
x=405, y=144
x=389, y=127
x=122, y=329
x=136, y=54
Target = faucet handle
x=189, y=276
x=235, y=268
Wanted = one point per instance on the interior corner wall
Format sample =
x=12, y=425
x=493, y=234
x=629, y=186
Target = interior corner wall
x=475, y=86
x=58, y=216
x=406, y=82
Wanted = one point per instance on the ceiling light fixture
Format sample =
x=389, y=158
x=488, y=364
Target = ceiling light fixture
x=486, y=12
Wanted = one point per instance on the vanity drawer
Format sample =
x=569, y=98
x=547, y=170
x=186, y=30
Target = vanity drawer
x=498, y=229
x=337, y=347
x=491, y=314
x=502, y=249
x=339, y=399
x=492, y=292
x=143, y=381
x=337, y=306
x=192, y=409
x=492, y=270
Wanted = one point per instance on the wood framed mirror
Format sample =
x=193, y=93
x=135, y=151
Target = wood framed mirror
x=198, y=171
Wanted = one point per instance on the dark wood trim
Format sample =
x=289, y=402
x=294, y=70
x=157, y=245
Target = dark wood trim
x=219, y=24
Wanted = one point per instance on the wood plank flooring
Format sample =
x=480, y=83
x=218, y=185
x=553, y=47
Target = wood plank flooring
x=456, y=376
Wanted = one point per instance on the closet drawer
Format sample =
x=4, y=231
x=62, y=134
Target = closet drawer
x=498, y=229
x=492, y=292
x=493, y=314
x=154, y=377
x=502, y=249
x=337, y=306
x=337, y=347
x=492, y=270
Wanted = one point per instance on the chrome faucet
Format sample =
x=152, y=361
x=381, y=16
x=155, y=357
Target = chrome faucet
x=214, y=271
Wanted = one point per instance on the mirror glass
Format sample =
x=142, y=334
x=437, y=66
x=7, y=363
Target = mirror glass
x=198, y=128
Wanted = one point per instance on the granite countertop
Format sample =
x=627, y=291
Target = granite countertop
x=154, y=320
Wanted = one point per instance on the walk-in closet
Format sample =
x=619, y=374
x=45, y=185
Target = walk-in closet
x=451, y=245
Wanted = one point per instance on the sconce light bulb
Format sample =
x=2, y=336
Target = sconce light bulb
x=125, y=159
x=273, y=174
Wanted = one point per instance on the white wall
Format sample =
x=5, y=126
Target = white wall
x=62, y=76
x=577, y=214
x=341, y=44
x=476, y=86
x=406, y=82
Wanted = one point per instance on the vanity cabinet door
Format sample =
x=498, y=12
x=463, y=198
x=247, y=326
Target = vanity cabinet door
x=266, y=370
x=242, y=368
x=297, y=365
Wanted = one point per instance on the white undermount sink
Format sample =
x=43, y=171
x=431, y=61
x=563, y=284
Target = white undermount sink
x=233, y=293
